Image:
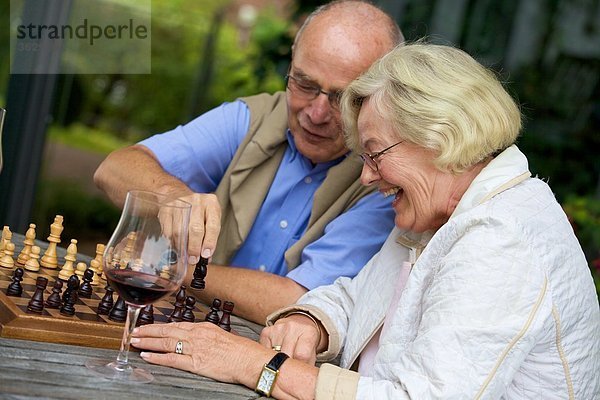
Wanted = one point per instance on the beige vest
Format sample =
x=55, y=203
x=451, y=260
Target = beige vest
x=248, y=178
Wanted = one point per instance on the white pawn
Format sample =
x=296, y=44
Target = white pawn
x=27, y=243
x=80, y=269
x=6, y=260
x=33, y=264
x=68, y=268
x=6, y=237
x=138, y=265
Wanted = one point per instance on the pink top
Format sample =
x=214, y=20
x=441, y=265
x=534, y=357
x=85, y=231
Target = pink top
x=367, y=357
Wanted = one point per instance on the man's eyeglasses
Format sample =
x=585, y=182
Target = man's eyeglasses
x=371, y=159
x=310, y=91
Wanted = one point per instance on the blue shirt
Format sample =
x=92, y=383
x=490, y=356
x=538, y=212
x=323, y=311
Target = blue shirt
x=198, y=154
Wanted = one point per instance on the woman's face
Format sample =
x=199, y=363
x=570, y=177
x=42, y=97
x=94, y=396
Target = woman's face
x=422, y=193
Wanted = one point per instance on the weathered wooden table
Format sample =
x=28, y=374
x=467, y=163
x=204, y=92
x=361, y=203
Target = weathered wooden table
x=38, y=370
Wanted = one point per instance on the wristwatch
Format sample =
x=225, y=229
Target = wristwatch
x=269, y=373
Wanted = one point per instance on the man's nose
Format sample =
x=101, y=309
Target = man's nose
x=319, y=110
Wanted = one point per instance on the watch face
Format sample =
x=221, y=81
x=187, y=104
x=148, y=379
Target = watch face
x=265, y=382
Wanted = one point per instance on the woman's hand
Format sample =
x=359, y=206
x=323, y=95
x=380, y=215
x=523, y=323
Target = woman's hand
x=297, y=335
x=205, y=350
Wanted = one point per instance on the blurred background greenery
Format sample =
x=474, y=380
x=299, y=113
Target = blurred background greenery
x=205, y=52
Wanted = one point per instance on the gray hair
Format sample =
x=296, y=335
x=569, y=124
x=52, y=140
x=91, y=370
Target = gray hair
x=437, y=97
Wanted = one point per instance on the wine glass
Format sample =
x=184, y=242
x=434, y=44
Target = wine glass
x=144, y=261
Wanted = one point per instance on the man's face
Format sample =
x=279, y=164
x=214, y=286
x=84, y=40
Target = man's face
x=328, y=56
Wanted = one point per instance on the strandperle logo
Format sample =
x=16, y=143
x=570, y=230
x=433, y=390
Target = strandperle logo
x=85, y=30
x=80, y=37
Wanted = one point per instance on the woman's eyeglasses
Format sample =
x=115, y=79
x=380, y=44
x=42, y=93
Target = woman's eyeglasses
x=371, y=159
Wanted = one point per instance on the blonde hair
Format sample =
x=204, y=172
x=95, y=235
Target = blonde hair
x=437, y=97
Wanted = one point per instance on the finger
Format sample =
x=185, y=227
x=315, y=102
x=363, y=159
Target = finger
x=212, y=218
x=174, y=330
x=195, y=238
x=179, y=361
x=163, y=345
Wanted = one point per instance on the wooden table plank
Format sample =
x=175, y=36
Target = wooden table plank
x=53, y=371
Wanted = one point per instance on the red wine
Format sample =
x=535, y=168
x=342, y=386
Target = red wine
x=137, y=287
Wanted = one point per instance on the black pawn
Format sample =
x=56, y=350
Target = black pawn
x=53, y=301
x=146, y=316
x=225, y=322
x=85, y=290
x=119, y=311
x=72, y=286
x=15, y=289
x=200, y=273
x=36, y=304
x=188, y=313
x=106, y=304
x=177, y=314
x=213, y=314
x=68, y=307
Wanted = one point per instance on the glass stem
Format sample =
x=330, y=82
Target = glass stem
x=133, y=312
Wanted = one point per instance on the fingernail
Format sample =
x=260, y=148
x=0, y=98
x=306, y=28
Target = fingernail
x=144, y=355
x=192, y=260
x=135, y=340
x=206, y=253
x=135, y=331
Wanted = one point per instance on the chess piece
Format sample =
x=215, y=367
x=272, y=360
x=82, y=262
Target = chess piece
x=97, y=263
x=15, y=289
x=54, y=301
x=85, y=290
x=177, y=314
x=72, y=285
x=36, y=304
x=225, y=322
x=188, y=313
x=68, y=267
x=80, y=269
x=106, y=304
x=119, y=311
x=128, y=250
x=6, y=237
x=146, y=316
x=33, y=264
x=27, y=245
x=137, y=265
x=213, y=314
x=68, y=307
x=199, y=274
x=7, y=260
x=49, y=259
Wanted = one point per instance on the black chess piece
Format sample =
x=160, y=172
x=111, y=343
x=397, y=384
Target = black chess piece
x=119, y=311
x=146, y=316
x=15, y=289
x=106, y=304
x=72, y=286
x=68, y=307
x=86, y=290
x=177, y=314
x=199, y=274
x=213, y=314
x=53, y=301
x=36, y=303
x=225, y=322
x=188, y=313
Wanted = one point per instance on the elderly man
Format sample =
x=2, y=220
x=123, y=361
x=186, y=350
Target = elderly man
x=294, y=215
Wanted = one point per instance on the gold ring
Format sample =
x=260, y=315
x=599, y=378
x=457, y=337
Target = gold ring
x=277, y=347
x=179, y=347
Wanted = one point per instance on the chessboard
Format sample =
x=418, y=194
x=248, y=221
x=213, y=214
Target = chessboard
x=86, y=327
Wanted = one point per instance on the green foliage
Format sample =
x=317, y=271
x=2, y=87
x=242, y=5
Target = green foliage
x=82, y=137
x=584, y=214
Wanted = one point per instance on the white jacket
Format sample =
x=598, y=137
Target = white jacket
x=500, y=304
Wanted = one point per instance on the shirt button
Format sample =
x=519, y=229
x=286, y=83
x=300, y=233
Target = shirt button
x=308, y=179
x=263, y=267
x=283, y=224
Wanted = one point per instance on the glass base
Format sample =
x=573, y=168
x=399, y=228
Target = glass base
x=118, y=372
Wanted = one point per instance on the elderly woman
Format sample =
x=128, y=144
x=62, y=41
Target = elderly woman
x=482, y=290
